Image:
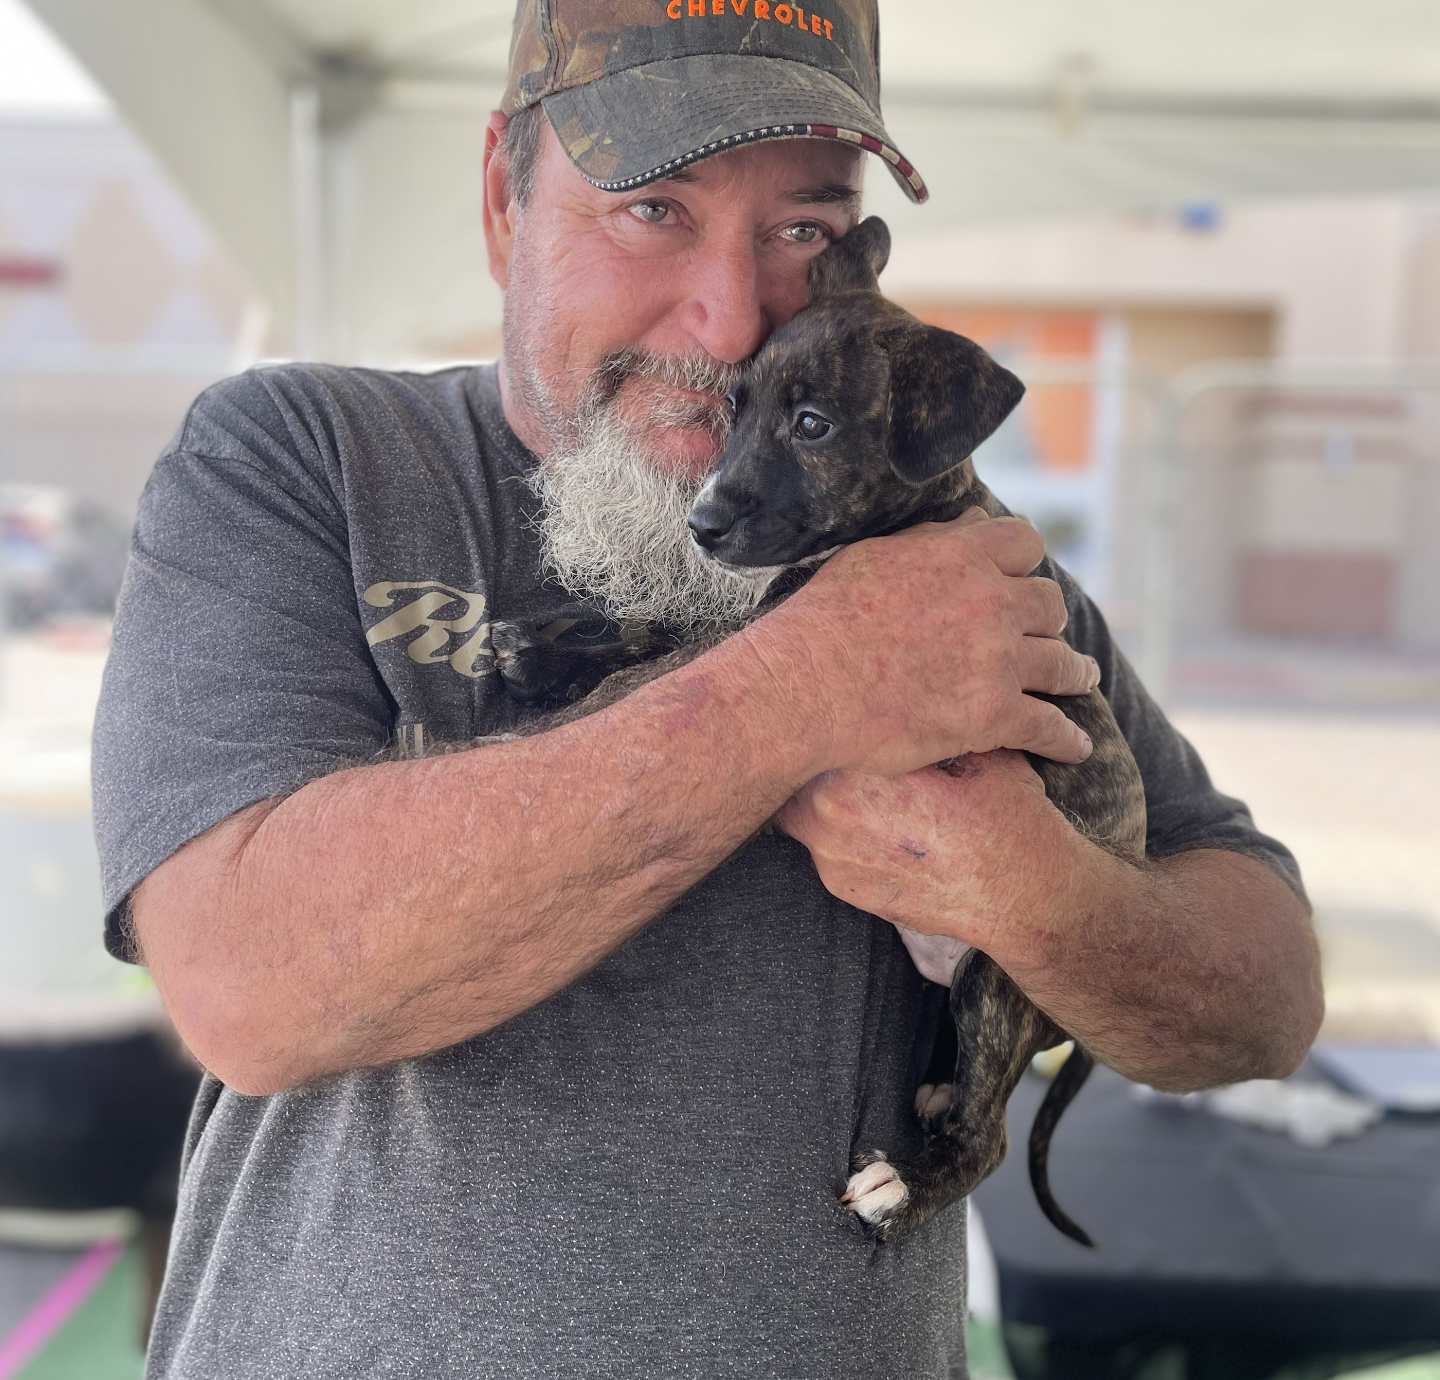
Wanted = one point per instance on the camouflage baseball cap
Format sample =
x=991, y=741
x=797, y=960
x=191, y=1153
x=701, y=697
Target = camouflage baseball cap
x=637, y=89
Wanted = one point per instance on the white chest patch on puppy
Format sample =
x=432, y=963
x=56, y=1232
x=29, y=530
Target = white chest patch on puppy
x=935, y=955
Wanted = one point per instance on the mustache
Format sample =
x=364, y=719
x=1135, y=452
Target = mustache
x=612, y=525
x=696, y=373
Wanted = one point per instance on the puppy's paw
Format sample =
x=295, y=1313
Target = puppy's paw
x=876, y=1192
x=510, y=640
x=531, y=667
x=932, y=1104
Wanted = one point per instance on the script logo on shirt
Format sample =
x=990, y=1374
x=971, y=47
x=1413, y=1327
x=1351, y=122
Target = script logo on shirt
x=449, y=623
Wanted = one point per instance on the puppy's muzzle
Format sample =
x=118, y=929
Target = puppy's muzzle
x=714, y=518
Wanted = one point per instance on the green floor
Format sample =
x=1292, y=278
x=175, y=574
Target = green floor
x=1417, y=1368
x=986, y=1351
x=102, y=1340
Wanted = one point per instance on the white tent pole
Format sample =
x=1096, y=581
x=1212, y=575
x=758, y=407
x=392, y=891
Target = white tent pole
x=307, y=162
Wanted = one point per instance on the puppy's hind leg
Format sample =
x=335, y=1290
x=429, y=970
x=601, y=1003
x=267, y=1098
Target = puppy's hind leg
x=934, y=1096
x=998, y=1031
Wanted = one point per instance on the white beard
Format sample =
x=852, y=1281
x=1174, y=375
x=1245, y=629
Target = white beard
x=612, y=523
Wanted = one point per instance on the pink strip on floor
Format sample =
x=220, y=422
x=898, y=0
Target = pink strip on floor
x=48, y=1316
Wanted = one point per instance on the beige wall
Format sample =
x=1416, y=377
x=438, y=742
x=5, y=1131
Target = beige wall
x=1166, y=339
x=136, y=267
x=1422, y=321
x=1337, y=276
x=98, y=365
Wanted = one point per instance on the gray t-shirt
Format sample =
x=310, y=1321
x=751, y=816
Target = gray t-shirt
x=637, y=1177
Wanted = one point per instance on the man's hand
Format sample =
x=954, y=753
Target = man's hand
x=1184, y=973
x=919, y=647
x=974, y=853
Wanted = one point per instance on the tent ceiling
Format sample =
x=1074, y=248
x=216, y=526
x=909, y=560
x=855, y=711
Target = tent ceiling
x=439, y=41
x=340, y=139
x=1262, y=49
x=1261, y=53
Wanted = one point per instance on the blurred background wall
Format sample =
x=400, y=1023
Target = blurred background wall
x=114, y=295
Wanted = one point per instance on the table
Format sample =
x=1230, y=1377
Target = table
x=1236, y=1252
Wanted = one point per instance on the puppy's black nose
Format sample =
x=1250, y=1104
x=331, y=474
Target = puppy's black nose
x=710, y=522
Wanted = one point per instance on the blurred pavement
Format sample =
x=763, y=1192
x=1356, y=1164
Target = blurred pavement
x=1351, y=794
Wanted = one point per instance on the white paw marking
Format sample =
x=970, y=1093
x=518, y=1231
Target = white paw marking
x=875, y=1192
x=932, y=1100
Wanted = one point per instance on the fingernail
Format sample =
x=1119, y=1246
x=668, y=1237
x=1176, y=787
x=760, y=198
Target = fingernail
x=1094, y=671
x=1087, y=747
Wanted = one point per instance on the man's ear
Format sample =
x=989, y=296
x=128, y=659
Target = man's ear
x=853, y=263
x=499, y=207
x=946, y=397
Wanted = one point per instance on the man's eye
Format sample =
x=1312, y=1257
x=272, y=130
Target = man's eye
x=651, y=212
x=809, y=427
x=806, y=233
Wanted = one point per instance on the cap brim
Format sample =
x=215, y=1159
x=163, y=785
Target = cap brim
x=636, y=126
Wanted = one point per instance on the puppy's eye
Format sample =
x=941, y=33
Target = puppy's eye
x=809, y=427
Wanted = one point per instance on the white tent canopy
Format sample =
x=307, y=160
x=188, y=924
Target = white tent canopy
x=335, y=144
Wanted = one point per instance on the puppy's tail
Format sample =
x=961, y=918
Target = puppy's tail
x=1063, y=1087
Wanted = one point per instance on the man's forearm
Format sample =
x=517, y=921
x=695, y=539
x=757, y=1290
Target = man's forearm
x=1195, y=970
x=391, y=910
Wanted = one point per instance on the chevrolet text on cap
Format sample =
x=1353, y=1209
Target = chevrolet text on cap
x=637, y=89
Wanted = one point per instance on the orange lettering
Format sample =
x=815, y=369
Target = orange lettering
x=762, y=9
x=696, y=7
x=673, y=8
x=799, y=16
x=739, y=5
x=783, y=14
x=828, y=34
x=814, y=22
x=717, y=6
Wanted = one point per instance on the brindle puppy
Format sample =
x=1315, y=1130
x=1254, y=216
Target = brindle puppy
x=856, y=420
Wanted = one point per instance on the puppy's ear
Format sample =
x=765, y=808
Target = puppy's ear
x=853, y=263
x=946, y=397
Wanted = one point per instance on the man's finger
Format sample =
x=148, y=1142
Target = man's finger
x=1054, y=667
x=1015, y=546
x=796, y=817
x=1040, y=607
x=1046, y=732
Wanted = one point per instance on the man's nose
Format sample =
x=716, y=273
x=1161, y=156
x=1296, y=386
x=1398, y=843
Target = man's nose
x=723, y=310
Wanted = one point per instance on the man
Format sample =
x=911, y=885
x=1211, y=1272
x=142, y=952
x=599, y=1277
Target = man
x=534, y=1059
